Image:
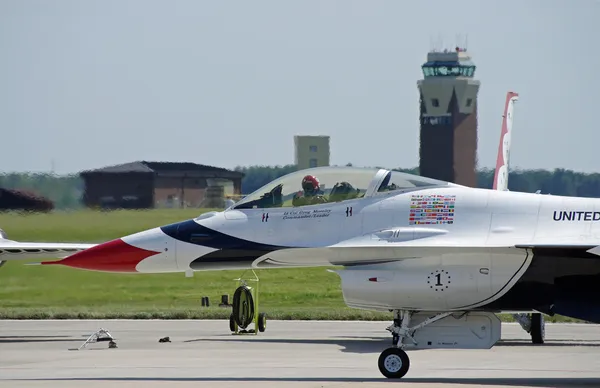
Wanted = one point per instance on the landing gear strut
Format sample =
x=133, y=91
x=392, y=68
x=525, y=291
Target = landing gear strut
x=534, y=325
x=394, y=362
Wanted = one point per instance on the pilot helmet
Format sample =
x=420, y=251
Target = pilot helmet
x=310, y=184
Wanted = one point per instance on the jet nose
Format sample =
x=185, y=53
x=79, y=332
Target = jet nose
x=111, y=256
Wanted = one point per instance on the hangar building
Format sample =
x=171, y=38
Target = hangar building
x=143, y=184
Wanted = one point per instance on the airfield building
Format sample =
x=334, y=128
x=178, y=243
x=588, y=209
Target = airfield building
x=22, y=200
x=311, y=151
x=448, y=118
x=143, y=185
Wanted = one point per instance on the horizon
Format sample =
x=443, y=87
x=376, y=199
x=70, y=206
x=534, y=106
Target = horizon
x=477, y=170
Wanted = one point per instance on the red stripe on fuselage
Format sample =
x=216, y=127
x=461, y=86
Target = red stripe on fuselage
x=112, y=256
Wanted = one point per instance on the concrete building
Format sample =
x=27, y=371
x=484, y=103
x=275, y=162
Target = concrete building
x=311, y=151
x=144, y=184
x=448, y=118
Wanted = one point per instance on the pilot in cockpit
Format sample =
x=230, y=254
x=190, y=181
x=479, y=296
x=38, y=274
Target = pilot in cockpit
x=311, y=193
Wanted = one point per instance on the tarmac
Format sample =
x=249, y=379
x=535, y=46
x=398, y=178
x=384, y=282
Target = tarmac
x=288, y=354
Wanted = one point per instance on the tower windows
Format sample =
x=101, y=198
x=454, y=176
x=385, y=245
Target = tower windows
x=436, y=120
x=469, y=102
x=435, y=102
x=433, y=69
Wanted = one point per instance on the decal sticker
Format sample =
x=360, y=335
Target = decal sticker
x=576, y=216
x=431, y=209
x=299, y=214
x=349, y=211
x=265, y=217
x=439, y=280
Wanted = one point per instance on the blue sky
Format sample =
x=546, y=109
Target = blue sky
x=84, y=84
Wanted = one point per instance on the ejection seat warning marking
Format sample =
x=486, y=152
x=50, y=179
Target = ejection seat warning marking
x=439, y=280
x=265, y=217
x=349, y=211
x=431, y=209
x=298, y=214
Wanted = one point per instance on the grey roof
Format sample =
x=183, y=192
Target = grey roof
x=162, y=167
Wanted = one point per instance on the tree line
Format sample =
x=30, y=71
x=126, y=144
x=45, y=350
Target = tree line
x=66, y=191
x=556, y=182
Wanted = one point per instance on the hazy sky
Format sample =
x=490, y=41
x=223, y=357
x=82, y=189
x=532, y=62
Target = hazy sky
x=92, y=83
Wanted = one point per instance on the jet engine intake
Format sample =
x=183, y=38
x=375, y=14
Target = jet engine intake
x=446, y=282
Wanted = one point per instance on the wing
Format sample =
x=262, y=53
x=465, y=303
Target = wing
x=14, y=250
x=378, y=254
x=407, y=244
x=381, y=247
x=363, y=255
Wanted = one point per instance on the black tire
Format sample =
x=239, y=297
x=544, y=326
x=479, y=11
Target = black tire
x=393, y=363
x=537, y=328
x=262, y=322
x=232, y=324
x=243, y=307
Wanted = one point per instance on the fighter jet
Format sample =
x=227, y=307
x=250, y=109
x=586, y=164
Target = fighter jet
x=444, y=258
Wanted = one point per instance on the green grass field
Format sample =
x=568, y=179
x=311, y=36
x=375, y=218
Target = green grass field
x=28, y=292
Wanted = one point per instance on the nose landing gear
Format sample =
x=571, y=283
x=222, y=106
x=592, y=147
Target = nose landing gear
x=394, y=362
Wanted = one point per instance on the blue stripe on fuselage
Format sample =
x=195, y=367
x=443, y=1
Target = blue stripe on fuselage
x=231, y=249
x=191, y=232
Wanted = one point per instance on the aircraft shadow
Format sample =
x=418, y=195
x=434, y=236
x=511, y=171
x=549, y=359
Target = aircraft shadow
x=548, y=343
x=358, y=345
x=515, y=382
x=377, y=344
x=35, y=338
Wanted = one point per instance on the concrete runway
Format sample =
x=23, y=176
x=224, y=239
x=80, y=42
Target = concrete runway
x=288, y=354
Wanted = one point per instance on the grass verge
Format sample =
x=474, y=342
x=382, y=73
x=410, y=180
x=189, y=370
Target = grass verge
x=316, y=314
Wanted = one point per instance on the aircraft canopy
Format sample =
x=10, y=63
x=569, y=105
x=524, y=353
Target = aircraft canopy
x=335, y=184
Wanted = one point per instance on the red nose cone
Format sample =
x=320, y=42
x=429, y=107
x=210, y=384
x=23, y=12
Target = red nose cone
x=112, y=256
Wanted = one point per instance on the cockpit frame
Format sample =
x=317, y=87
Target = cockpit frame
x=351, y=182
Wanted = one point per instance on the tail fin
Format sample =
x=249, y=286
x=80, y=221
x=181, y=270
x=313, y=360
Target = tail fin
x=502, y=162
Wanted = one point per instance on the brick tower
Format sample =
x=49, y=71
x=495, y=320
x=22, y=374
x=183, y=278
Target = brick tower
x=448, y=117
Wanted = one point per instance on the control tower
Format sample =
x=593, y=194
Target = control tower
x=448, y=117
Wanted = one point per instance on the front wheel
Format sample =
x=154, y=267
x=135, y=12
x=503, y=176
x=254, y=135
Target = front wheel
x=394, y=363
